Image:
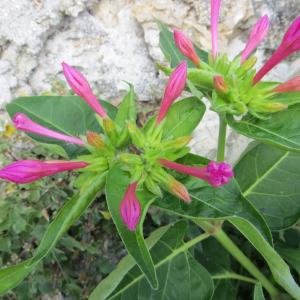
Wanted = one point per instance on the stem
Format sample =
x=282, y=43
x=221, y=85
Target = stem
x=235, y=276
x=229, y=245
x=222, y=138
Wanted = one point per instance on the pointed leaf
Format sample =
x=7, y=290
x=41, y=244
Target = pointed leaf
x=291, y=256
x=258, y=292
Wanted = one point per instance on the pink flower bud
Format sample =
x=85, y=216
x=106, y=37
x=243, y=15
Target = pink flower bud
x=95, y=140
x=220, y=84
x=130, y=208
x=26, y=171
x=81, y=87
x=215, y=14
x=22, y=122
x=258, y=33
x=186, y=47
x=174, y=88
x=293, y=85
x=179, y=190
x=290, y=44
x=216, y=174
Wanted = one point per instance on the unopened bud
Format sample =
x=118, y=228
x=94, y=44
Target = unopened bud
x=267, y=107
x=177, y=143
x=136, y=135
x=95, y=140
x=179, y=190
x=110, y=129
x=220, y=84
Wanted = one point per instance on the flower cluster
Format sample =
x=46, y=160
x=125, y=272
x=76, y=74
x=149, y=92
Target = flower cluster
x=235, y=87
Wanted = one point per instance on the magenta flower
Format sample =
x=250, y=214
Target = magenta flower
x=22, y=122
x=216, y=174
x=174, y=88
x=186, y=47
x=26, y=171
x=81, y=87
x=290, y=44
x=258, y=33
x=292, y=85
x=130, y=208
x=215, y=13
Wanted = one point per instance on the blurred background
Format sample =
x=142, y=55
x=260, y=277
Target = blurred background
x=109, y=41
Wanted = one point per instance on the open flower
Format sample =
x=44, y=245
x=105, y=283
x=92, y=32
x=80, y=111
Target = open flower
x=290, y=44
x=186, y=47
x=216, y=174
x=258, y=33
x=22, y=122
x=174, y=88
x=81, y=87
x=130, y=208
x=26, y=171
x=215, y=13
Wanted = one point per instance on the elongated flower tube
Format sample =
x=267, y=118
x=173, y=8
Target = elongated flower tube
x=174, y=88
x=292, y=85
x=130, y=208
x=26, y=171
x=216, y=174
x=186, y=47
x=258, y=33
x=81, y=87
x=22, y=122
x=290, y=44
x=215, y=14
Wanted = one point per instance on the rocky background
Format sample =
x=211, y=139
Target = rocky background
x=115, y=40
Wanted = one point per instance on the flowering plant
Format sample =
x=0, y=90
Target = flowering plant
x=150, y=164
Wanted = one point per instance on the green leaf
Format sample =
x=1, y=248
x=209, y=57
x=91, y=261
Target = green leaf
x=180, y=275
x=287, y=98
x=169, y=49
x=291, y=256
x=268, y=178
x=281, y=129
x=71, y=211
x=116, y=185
x=66, y=114
x=127, y=109
x=258, y=292
x=182, y=118
x=227, y=203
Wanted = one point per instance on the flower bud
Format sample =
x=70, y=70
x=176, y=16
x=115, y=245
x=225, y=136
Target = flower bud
x=220, y=84
x=95, y=140
x=186, y=47
x=130, y=208
x=267, y=107
x=292, y=85
x=179, y=190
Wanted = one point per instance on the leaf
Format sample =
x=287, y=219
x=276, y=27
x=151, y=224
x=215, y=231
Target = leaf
x=287, y=98
x=291, y=256
x=180, y=275
x=116, y=185
x=127, y=109
x=268, y=178
x=66, y=114
x=169, y=49
x=182, y=118
x=228, y=204
x=71, y=211
x=282, y=129
x=258, y=292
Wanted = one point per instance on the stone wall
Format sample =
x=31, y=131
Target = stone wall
x=115, y=40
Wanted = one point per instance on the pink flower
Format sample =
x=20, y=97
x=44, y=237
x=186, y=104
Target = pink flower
x=215, y=13
x=81, y=87
x=130, y=208
x=258, y=33
x=186, y=47
x=216, y=174
x=293, y=85
x=22, y=122
x=290, y=44
x=174, y=88
x=26, y=171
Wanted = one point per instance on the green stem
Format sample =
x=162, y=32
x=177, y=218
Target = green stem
x=221, y=139
x=234, y=276
x=229, y=245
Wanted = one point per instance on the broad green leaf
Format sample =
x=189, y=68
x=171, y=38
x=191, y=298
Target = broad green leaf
x=66, y=114
x=228, y=204
x=268, y=178
x=291, y=256
x=71, y=211
x=182, y=118
x=169, y=49
x=224, y=290
x=116, y=185
x=180, y=275
x=258, y=292
x=127, y=109
x=281, y=129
